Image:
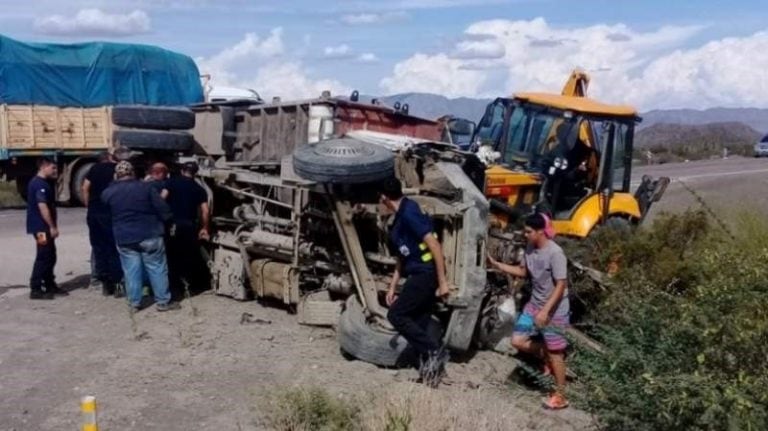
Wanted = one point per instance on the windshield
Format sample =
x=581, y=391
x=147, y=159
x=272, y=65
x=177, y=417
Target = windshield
x=537, y=134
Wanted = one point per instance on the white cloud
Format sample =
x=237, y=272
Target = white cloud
x=647, y=69
x=263, y=65
x=433, y=74
x=479, y=49
x=339, y=51
x=290, y=81
x=372, y=18
x=224, y=65
x=94, y=22
x=367, y=57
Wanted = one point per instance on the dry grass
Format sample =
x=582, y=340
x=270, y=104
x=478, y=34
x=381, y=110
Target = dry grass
x=401, y=407
x=8, y=195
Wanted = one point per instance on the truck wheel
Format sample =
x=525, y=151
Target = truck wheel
x=153, y=117
x=76, y=183
x=343, y=161
x=153, y=140
x=368, y=343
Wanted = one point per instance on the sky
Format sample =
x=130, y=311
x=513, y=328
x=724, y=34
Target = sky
x=652, y=54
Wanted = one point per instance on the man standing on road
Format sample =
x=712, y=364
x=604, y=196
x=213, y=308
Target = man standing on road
x=138, y=215
x=104, y=251
x=41, y=223
x=547, y=313
x=189, y=203
x=420, y=259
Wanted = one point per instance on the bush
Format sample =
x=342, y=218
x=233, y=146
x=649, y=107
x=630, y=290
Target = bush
x=309, y=410
x=686, y=326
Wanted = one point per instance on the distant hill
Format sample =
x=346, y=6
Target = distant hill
x=755, y=118
x=687, y=141
x=433, y=106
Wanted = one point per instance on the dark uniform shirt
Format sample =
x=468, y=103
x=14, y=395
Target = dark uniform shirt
x=100, y=176
x=185, y=197
x=39, y=191
x=407, y=238
x=138, y=211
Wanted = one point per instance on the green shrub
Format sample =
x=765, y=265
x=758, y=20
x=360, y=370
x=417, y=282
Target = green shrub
x=686, y=326
x=312, y=409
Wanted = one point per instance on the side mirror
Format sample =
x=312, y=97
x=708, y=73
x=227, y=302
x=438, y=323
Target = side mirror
x=460, y=126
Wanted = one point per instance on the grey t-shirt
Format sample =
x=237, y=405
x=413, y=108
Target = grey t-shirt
x=545, y=266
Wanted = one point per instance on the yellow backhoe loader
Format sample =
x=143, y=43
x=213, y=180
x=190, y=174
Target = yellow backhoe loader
x=567, y=155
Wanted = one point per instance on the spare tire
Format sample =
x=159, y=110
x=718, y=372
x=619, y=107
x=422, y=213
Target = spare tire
x=153, y=117
x=343, y=161
x=372, y=344
x=137, y=139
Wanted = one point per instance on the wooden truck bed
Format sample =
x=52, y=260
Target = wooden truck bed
x=41, y=129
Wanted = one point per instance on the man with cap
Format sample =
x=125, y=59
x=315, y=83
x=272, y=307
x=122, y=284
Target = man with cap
x=420, y=259
x=138, y=216
x=189, y=206
x=106, y=261
x=42, y=224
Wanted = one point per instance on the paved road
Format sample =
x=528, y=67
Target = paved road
x=17, y=249
x=729, y=187
x=702, y=171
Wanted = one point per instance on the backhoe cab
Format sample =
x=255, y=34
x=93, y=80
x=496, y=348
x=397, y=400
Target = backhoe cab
x=567, y=155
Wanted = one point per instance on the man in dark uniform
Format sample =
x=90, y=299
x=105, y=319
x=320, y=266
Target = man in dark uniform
x=41, y=223
x=106, y=259
x=189, y=205
x=420, y=259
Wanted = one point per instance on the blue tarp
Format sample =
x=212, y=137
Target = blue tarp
x=95, y=74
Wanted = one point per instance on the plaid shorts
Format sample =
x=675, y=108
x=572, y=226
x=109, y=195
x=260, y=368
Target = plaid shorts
x=553, y=334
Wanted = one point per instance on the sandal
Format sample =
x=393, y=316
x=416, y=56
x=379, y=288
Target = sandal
x=555, y=402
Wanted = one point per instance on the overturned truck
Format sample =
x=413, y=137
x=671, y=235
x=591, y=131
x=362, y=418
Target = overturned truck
x=297, y=221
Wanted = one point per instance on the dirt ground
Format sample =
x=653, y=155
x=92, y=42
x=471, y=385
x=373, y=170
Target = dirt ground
x=194, y=369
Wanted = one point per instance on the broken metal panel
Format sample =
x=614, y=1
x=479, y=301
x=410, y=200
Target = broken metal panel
x=470, y=273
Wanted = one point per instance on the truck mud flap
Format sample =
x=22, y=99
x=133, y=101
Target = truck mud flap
x=157, y=140
x=153, y=117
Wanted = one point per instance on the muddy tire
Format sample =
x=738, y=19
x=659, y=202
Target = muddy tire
x=363, y=341
x=343, y=161
x=153, y=117
x=76, y=183
x=153, y=140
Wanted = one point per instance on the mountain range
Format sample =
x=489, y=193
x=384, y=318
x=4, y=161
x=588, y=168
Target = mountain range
x=433, y=106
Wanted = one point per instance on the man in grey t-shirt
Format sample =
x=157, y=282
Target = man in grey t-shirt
x=547, y=313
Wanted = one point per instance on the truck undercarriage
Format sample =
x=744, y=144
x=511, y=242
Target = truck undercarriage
x=312, y=246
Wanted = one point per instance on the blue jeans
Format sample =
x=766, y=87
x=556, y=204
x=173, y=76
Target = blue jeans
x=147, y=257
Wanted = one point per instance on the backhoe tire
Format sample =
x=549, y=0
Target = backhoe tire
x=343, y=161
x=371, y=344
x=156, y=140
x=153, y=117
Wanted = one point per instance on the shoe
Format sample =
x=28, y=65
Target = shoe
x=57, y=291
x=119, y=290
x=556, y=401
x=95, y=284
x=432, y=369
x=39, y=294
x=169, y=306
x=108, y=289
